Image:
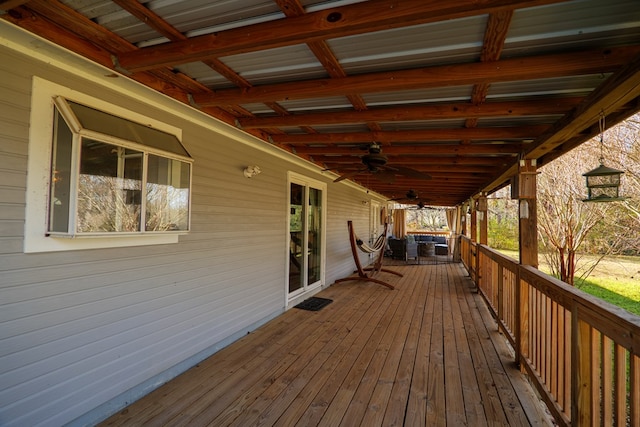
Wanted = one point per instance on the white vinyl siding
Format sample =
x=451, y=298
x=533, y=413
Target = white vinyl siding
x=83, y=332
x=14, y=128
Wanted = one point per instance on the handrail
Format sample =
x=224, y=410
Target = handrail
x=430, y=233
x=581, y=353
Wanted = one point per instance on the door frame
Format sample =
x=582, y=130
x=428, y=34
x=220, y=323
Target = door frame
x=295, y=178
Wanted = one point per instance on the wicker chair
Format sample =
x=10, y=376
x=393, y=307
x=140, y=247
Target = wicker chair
x=403, y=250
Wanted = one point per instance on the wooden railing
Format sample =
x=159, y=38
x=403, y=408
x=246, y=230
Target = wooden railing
x=430, y=233
x=468, y=256
x=581, y=353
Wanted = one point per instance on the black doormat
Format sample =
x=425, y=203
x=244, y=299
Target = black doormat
x=314, y=303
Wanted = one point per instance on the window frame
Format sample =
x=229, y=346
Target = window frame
x=37, y=238
x=80, y=134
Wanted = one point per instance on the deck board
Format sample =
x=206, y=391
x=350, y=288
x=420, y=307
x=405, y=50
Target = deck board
x=425, y=354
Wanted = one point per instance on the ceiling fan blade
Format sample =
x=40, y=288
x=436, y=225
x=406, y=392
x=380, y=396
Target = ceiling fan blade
x=349, y=175
x=388, y=177
x=411, y=173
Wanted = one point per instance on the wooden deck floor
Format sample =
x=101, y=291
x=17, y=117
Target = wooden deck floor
x=425, y=354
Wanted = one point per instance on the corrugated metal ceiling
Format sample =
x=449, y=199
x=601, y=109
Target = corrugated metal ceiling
x=309, y=83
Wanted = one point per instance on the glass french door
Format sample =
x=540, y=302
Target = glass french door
x=306, y=236
x=374, y=224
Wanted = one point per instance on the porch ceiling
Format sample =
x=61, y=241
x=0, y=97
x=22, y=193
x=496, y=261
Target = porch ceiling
x=456, y=90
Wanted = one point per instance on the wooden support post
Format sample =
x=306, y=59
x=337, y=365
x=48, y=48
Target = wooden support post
x=482, y=217
x=474, y=221
x=474, y=240
x=463, y=220
x=523, y=187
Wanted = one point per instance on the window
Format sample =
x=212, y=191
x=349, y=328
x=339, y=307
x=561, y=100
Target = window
x=110, y=175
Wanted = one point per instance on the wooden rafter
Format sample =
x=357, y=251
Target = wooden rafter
x=348, y=20
x=529, y=68
x=522, y=132
x=430, y=149
x=419, y=112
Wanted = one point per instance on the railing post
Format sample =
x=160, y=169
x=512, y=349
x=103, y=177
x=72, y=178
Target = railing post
x=522, y=318
x=478, y=276
x=581, y=375
x=500, y=293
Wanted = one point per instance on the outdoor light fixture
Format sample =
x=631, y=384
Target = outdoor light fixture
x=251, y=171
x=603, y=183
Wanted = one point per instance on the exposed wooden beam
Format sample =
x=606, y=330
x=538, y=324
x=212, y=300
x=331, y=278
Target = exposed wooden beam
x=495, y=36
x=485, y=134
x=421, y=187
x=529, y=68
x=67, y=18
x=7, y=5
x=324, y=54
x=454, y=162
x=36, y=24
x=65, y=27
x=611, y=120
x=329, y=23
x=434, y=171
x=451, y=149
x=150, y=18
x=615, y=93
x=145, y=15
x=436, y=176
x=418, y=112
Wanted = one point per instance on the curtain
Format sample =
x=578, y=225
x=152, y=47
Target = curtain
x=399, y=223
x=452, y=222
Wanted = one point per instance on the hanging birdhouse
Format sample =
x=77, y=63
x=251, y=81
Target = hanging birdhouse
x=603, y=184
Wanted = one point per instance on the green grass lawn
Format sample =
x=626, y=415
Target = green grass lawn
x=616, y=279
x=622, y=294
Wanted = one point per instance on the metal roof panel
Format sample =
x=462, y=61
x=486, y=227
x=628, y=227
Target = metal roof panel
x=454, y=41
x=572, y=25
x=278, y=65
x=561, y=86
x=419, y=96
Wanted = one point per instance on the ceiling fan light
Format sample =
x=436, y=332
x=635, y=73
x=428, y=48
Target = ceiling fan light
x=374, y=160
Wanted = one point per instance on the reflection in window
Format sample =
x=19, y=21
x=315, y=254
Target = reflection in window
x=109, y=188
x=167, y=194
x=60, y=176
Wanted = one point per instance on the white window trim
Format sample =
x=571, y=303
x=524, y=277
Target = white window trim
x=39, y=173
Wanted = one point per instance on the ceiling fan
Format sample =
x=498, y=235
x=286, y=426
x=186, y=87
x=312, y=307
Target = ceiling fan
x=411, y=197
x=375, y=163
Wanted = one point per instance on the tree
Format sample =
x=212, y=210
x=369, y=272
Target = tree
x=624, y=154
x=432, y=219
x=502, y=220
x=566, y=223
